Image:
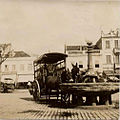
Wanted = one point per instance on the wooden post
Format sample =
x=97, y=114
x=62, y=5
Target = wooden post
x=94, y=100
x=105, y=99
x=74, y=98
x=91, y=100
x=79, y=100
x=110, y=99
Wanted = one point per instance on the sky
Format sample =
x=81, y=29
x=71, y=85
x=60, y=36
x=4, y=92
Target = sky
x=39, y=26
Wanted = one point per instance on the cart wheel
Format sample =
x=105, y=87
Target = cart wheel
x=5, y=90
x=36, y=93
x=65, y=98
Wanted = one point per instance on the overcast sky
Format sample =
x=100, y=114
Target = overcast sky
x=38, y=26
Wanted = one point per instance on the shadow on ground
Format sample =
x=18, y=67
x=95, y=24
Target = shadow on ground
x=59, y=114
x=54, y=103
x=28, y=99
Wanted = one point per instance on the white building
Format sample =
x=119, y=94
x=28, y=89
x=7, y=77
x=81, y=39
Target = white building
x=106, y=56
x=109, y=44
x=19, y=67
x=78, y=54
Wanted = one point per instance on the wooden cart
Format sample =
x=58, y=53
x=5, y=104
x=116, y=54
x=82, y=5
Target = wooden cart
x=95, y=93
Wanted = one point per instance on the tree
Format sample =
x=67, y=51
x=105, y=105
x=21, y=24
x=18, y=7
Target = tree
x=4, y=54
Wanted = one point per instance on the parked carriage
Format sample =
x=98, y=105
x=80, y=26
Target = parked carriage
x=51, y=78
x=47, y=74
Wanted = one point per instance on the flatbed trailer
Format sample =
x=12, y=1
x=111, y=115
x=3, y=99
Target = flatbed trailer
x=95, y=93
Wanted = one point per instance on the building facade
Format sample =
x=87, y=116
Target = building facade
x=78, y=54
x=105, y=56
x=109, y=44
x=18, y=67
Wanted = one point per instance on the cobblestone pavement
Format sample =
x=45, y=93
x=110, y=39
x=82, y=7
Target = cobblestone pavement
x=20, y=105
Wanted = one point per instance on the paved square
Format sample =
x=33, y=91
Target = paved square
x=20, y=105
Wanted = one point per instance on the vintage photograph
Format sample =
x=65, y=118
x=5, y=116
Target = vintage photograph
x=59, y=59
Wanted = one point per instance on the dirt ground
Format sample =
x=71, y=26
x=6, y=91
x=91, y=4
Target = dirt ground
x=20, y=105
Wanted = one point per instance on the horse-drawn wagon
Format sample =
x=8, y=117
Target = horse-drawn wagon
x=48, y=69
x=51, y=78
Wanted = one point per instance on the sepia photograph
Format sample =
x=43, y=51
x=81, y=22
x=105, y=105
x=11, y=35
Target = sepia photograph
x=59, y=59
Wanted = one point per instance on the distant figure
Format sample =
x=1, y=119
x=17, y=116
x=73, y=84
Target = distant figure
x=74, y=71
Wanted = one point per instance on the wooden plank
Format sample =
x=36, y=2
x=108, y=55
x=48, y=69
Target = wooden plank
x=91, y=87
x=104, y=114
x=83, y=116
x=95, y=115
x=113, y=114
x=75, y=114
x=90, y=115
x=57, y=115
x=110, y=116
x=36, y=115
x=47, y=114
x=79, y=115
x=100, y=115
x=86, y=115
x=116, y=111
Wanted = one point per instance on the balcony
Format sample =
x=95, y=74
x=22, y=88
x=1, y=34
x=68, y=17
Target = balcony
x=116, y=50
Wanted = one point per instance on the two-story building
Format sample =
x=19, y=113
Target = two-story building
x=18, y=67
x=78, y=54
x=105, y=56
x=109, y=44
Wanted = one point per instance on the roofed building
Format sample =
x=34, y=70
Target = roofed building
x=18, y=67
x=78, y=54
x=110, y=48
x=105, y=58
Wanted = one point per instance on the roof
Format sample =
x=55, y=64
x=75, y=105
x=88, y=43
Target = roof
x=51, y=58
x=111, y=34
x=21, y=54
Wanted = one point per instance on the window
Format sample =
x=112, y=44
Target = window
x=13, y=67
x=29, y=67
x=22, y=67
x=108, y=59
x=116, y=43
x=117, y=59
x=96, y=65
x=107, y=44
x=80, y=66
x=6, y=68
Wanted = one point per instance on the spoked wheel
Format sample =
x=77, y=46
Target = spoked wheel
x=65, y=98
x=36, y=93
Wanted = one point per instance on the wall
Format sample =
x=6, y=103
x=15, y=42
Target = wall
x=81, y=58
x=106, y=51
x=21, y=75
